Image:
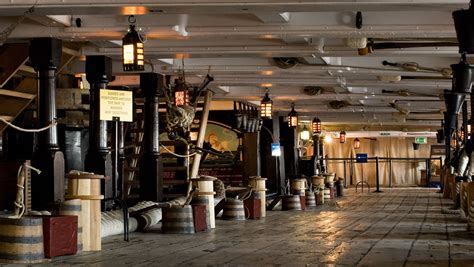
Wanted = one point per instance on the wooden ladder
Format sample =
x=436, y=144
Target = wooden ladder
x=132, y=166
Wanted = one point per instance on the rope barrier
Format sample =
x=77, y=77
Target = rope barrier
x=51, y=125
x=177, y=155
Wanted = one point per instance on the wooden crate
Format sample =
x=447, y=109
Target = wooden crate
x=59, y=235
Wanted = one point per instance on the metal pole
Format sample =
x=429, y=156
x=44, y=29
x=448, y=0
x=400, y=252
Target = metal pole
x=390, y=173
x=115, y=156
x=345, y=174
x=377, y=175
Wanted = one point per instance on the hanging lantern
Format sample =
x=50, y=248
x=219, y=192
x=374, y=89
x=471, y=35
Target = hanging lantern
x=304, y=134
x=342, y=137
x=266, y=105
x=133, y=58
x=356, y=143
x=316, y=125
x=470, y=127
x=180, y=93
x=292, y=117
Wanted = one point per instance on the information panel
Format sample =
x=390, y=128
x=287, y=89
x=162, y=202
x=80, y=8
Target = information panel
x=361, y=157
x=116, y=103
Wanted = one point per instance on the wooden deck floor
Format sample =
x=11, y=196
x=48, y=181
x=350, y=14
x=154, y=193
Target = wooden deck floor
x=399, y=227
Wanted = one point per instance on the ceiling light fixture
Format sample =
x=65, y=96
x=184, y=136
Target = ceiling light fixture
x=180, y=93
x=133, y=57
x=356, y=143
x=316, y=125
x=342, y=137
x=304, y=133
x=293, y=117
x=266, y=106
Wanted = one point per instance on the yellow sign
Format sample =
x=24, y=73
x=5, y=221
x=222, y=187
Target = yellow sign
x=116, y=103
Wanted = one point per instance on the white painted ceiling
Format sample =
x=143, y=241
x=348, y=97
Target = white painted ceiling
x=238, y=41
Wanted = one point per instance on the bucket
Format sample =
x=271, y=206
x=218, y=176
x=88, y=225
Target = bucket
x=327, y=194
x=298, y=186
x=178, y=220
x=21, y=240
x=310, y=199
x=258, y=186
x=204, y=200
x=317, y=182
x=205, y=185
x=329, y=177
x=84, y=186
x=291, y=203
x=73, y=208
x=233, y=210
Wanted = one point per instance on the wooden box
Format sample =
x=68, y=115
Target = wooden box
x=252, y=207
x=200, y=218
x=59, y=235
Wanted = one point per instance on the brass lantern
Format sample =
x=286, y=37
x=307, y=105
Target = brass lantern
x=266, y=105
x=133, y=57
x=316, y=126
x=356, y=143
x=180, y=93
x=342, y=137
x=292, y=117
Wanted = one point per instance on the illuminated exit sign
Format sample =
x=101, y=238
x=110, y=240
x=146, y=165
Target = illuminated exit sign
x=421, y=140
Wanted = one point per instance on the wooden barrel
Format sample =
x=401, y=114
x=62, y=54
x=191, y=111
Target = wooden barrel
x=178, y=220
x=317, y=181
x=327, y=194
x=298, y=186
x=233, y=210
x=21, y=240
x=258, y=185
x=310, y=199
x=73, y=207
x=291, y=203
x=204, y=200
x=205, y=185
x=86, y=187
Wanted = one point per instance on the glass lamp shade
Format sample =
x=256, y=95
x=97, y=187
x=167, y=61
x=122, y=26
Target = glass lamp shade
x=266, y=106
x=342, y=137
x=316, y=125
x=304, y=134
x=180, y=94
x=470, y=126
x=293, y=118
x=133, y=58
x=356, y=143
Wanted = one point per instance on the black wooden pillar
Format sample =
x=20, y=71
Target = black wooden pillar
x=251, y=154
x=151, y=183
x=47, y=187
x=98, y=158
x=290, y=144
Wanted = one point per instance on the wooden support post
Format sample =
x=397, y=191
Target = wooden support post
x=98, y=157
x=201, y=134
x=47, y=187
x=151, y=182
x=251, y=154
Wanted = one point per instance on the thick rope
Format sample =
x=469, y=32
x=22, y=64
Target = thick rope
x=51, y=125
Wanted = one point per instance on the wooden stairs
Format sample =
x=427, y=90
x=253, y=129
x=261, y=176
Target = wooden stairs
x=13, y=62
x=174, y=171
